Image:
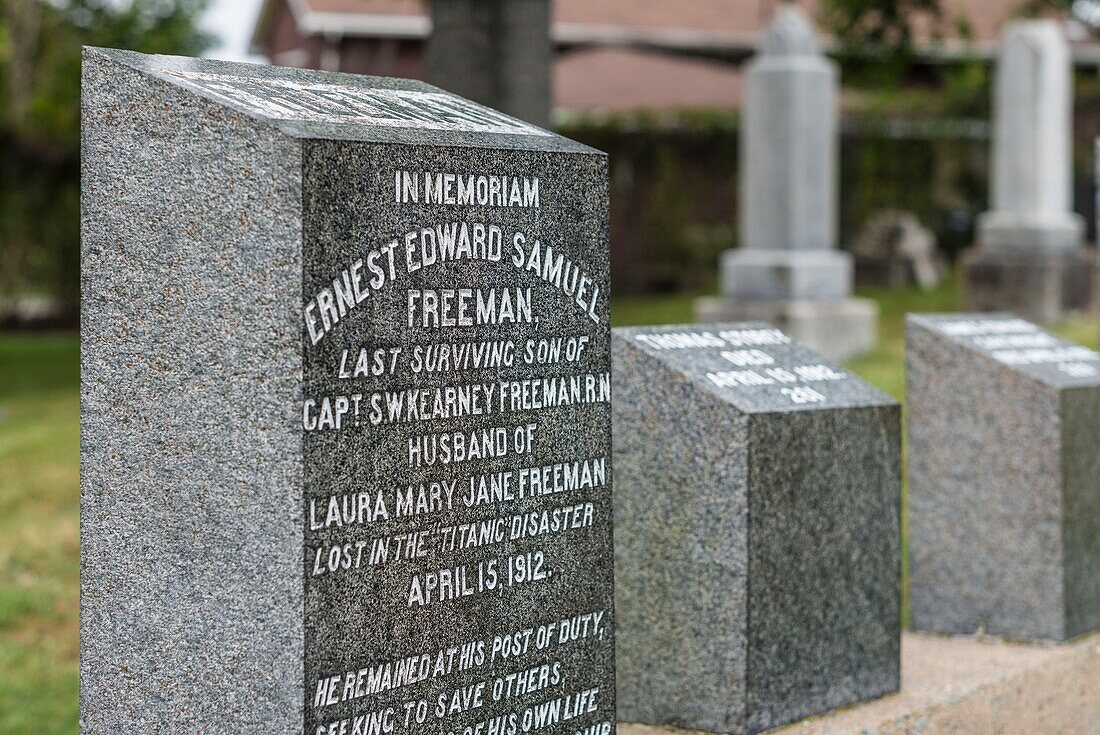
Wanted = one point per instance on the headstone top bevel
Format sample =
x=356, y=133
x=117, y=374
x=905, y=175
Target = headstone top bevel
x=755, y=367
x=304, y=103
x=1018, y=344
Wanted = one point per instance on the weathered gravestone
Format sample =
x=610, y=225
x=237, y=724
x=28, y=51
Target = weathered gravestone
x=346, y=431
x=1030, y=257
x=1004, y=478
x=788, y=270
x=757, y=529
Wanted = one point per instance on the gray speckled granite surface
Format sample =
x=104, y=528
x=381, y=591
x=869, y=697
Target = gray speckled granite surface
x=257, y=299
x=191, y=590
x=1004, y=478
x=757, y=529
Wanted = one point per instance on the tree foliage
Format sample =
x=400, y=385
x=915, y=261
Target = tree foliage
x=40, y=51
x=878, y=39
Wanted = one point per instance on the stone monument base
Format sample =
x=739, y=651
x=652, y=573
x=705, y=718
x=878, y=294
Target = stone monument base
x=769, y=275
x=1053, y=230
x=839, y=329
x=1039, y=286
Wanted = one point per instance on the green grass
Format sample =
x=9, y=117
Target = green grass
x=884, y=367
x=638, y=311
x=1079, y=329
x=39, y=496
x=39, y=537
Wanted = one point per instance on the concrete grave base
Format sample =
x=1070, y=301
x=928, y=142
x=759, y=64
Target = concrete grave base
x=839, y=329
x=1041, y=286
x=970, y=685
x=1048, y=230
x=765, y=274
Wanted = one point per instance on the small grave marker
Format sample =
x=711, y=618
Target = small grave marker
x=1004, y=478
x=757, y=529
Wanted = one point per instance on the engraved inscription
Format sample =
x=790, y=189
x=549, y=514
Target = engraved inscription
x=752, y=358
x=1020, y=343
x=451, y=547
x=286, y=99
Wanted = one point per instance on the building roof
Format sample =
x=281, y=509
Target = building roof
x=396, y=7
x=719, y=24
x=682, y=24
x=629, y=55
x=381, y=18
x=607, y=80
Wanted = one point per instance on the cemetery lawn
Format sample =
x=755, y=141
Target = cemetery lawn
x=39, y=494
x=39, y=546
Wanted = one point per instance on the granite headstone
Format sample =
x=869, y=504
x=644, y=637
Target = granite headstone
x=346, y=421
x=757, y=529
x=1004, y=478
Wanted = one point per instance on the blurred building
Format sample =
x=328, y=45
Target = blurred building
x=657, y=83
x=613, y=55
